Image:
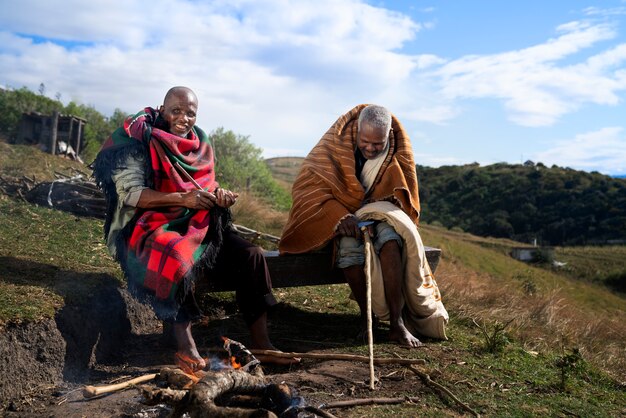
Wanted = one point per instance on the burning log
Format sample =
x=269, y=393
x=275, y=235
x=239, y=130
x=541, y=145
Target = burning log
x=177, y=378
x=237, y=379
x=203, y=394
x=154, y=396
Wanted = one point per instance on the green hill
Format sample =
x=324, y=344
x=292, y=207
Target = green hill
x=555, y=206
x=285, y=169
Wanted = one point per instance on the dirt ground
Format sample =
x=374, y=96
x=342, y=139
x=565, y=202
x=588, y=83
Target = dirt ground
x=145, y=350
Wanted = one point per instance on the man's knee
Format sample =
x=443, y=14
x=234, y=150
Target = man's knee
x=386, y=236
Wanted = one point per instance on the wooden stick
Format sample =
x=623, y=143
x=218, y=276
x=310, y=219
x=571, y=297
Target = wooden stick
x=187, y=175
x=429, y=382
x=368, y=291
x=369, y=401
x=91, y=391
x=336, y=356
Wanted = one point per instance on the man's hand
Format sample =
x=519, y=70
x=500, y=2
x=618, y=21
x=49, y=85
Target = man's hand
x=199, y=199
x=225, y=198
x=349, y=227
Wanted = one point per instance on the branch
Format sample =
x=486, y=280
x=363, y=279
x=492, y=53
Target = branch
x=369, y=401
x=432, y=384
x=249, y=233
x=333, y=356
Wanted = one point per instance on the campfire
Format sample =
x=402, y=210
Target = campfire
x=232, y=385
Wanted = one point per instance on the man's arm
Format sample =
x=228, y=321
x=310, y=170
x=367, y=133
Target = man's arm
x=195, y=199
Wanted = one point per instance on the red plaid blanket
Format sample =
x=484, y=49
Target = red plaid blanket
x=162, y=247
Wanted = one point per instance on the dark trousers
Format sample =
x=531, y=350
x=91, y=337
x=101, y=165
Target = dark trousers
x=240, y=263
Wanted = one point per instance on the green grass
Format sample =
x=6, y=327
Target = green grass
x=39, y=248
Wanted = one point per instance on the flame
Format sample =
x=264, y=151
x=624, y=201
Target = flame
x=234, y=362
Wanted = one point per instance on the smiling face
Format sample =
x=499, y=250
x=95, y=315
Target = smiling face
x=179, y=111
x=371, y=140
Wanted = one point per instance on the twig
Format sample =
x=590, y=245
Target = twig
x=369, y=401
x=429, y=382
x=247, y=232
x=19, y=192
x=334, y=356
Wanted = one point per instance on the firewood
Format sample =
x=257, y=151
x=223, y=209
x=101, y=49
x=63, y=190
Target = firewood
x=202, y=395
x=176, y=378
x=369, y=401
x=155, y=396
x=336, y=356
x=92, y=391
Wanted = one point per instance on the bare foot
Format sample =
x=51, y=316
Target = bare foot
x=187, y=357
x=399, y=333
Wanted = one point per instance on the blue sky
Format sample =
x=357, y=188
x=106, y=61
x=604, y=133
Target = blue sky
x=481, y=81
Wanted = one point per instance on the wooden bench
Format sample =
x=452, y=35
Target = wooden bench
x=312, y=269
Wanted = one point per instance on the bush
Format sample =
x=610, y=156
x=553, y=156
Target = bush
x=240, y=167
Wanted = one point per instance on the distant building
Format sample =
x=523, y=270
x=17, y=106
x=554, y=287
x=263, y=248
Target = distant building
x=533, y=254
x=55, y=134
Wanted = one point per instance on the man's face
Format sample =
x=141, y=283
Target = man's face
x=371, y=140
x=179, y=111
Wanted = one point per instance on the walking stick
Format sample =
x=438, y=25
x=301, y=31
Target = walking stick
x=368, y=283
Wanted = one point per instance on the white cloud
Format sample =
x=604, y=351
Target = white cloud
x=276, y=70
x=597, y=11
x=534, y=89
x=603, y=150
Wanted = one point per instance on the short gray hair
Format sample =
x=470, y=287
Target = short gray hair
x=376, y=117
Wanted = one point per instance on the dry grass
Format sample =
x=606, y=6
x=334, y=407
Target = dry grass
x=547, y=321
x=253, y=213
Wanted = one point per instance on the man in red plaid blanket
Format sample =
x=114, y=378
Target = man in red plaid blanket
x=168, y=222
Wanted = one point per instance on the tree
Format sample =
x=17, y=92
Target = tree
x=117, y=119
x=15, y=102
x=239, y=166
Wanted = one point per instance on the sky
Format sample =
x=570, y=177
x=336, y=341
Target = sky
x=471, y=81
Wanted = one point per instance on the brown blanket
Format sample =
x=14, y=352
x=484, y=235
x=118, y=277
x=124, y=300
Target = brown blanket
x=327, y=188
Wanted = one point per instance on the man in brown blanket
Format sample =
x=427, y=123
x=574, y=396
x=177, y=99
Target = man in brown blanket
x=364, y=157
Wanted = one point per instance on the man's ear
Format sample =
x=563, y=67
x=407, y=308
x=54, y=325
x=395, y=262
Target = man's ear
x=161, y=109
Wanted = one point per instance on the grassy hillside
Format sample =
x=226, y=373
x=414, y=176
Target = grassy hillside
x=524, y=340
x=285, y=169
